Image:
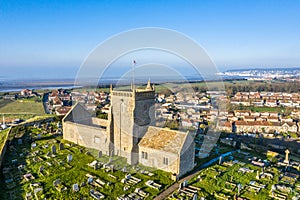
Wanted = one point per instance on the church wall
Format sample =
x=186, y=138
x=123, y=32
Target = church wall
x=187, y=157
x=155, y=159
x=91, y=137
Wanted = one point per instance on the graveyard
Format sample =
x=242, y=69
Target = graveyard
x=39, y=164
x=243, y=176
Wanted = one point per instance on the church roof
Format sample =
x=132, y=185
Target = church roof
x=164, y=139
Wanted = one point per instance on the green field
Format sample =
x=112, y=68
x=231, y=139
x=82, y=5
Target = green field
x=23, y=107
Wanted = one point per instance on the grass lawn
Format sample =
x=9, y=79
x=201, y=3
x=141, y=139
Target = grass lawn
x=267, y=109
x=3, y=135
x=23, y=107
x=4, y=102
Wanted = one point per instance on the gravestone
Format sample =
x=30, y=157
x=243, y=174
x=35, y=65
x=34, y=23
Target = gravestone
x=195, y=197
x=53, y=149
x=112, y=168
x=199, y=178
x=185, y=183
x=61, y=146
x=220, y=160
x=33, y=145
x=180, y=187
x=39, y=136
x=48, y=154
x=99, y=154
x=69, y=158
x=82, y=184
x=20, y=141
x=41, y=169
x=96, y=166
x=123, y=170
x=75, y=187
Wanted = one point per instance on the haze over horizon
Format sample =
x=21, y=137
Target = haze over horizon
x=52, y=38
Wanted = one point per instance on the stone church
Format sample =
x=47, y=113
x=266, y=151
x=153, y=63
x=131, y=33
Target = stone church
x=130, y=132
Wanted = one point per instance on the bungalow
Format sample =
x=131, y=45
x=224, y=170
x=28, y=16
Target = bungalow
x=258, y=102
x=289, y=126
x=273, y=114
x=286, y=103
x=256, y=126
x=57, y=102
x=10, y=97
x=232, y=118
x=272, y=119
x=26, y=92
x=239, y=113
x=225, y=126
x=249, y=118
x=63, y=110
x=271, y=103
x=286, y=119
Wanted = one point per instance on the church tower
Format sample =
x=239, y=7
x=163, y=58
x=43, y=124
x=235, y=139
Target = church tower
x=133, y=111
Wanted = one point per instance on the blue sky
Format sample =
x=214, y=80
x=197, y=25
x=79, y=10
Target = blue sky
x=236, y=34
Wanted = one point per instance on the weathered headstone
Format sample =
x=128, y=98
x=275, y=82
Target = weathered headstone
x=199, y=178
x=61, y=146
x=39, y=136
x=53, y=149
x=195, y=197
x=82, y=184
x=185, y=183
x=33, y=145
x=48, y=154
x=181, y=186
x=69, y=158
x=75, y=187
x=99, y=154
x=112, y=168
x=239, y=186
x=257, y=175
x=20, y=141
x=123, y=170
x=41, y=169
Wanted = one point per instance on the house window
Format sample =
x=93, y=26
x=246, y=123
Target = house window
x=166, y=161
x=144, y=155
x=96, y=140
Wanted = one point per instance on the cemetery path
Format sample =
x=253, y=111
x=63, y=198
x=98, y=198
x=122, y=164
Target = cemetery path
x=167, y=192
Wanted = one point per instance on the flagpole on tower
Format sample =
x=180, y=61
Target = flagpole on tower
x=133, y=74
